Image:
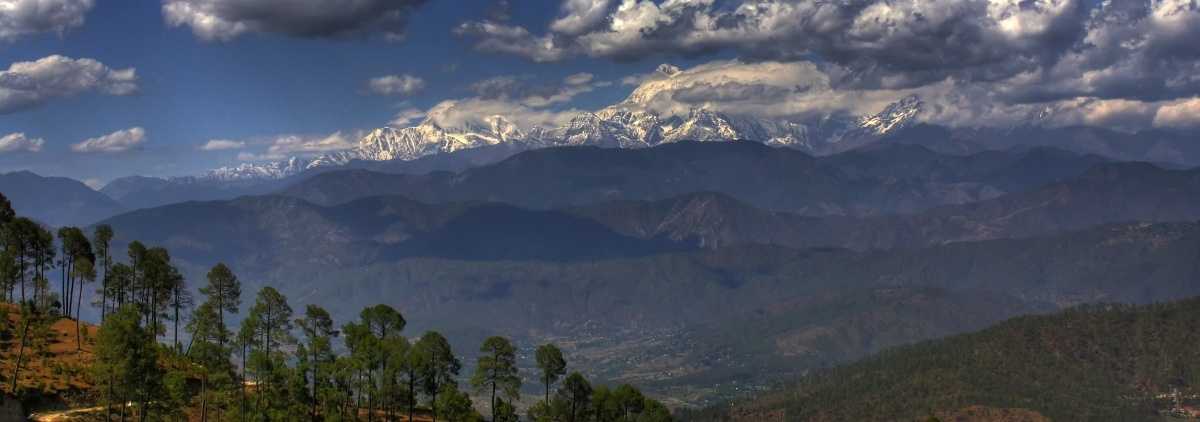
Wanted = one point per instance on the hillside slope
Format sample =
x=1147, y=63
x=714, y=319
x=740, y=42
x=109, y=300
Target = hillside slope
x=883, y=180
x=1098, y=362
x=1106, y=193
x=54, y=363
x=135, y=192
x=1159, y=146
x=259, y=234
x=56, y=201
x=735, y=314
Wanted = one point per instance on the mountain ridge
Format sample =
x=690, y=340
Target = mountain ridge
x=1094, y=362
x=768, y=178
x=623, y=125
x=56, y=201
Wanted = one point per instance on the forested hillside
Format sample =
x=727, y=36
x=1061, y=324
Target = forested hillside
x=1095, y=362
x=164, y=353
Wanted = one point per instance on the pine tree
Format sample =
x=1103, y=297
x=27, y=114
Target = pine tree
x=84, y=272
x=576, y=392
x=368, y=341
x=21, y=239
x=225, y=292
x=496, y=371
x=272, y=330
x=102, y=241
x=439, y=367
x=317, y=354
x=126, y=366
x=181, y=298
x=552, y=365
x=205, y=351
x=119, y=282
x=456, y=406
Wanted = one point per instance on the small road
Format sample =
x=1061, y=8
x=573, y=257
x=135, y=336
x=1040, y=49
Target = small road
x=65, y=415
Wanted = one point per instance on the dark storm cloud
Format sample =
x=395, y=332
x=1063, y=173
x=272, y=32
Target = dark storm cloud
x=1032, y=50
x=507, y=86
x=226, y=19
x=912, y=37
x=27, y=17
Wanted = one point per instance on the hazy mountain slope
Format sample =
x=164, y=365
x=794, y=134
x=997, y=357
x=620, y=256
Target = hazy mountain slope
x=1103, y=362
x=271, y=236
x=1161, y=146
x=710, y=324
x=262, y=234
x=768, y=178
x=370, y=230
x=1008, y=170
x=708, y=220
x=670, y=289
x=562, y=176
x=57, y=201
x=555, y=274
x=788, y=339
x=136, y=192
x=122, y=188
x=1107, y=193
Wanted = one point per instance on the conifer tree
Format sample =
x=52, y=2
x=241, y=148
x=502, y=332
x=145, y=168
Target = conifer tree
x=224, y=291
x=126, y=364
x=102, y=241
x=317, y=354
x=369, y=341
x=273, y=317
x=496, y=371
x=576, y=392
x=439, y=367
x=552, y=366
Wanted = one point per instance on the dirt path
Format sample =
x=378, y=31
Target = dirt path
x=65, y=415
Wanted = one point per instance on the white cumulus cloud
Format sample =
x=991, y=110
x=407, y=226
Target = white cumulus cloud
x=286, y=146
x=480, y=111
x=407, y=117
x=222, y=144
x=579, y=78
x=395, y=85
x=27, y=85
x=1180, y=114
x=14, y=142
x=121, y=140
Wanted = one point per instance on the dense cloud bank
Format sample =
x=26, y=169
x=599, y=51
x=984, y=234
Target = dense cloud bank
x=1125, y=64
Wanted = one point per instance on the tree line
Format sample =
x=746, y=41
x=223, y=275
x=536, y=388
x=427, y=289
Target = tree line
x=275, y=364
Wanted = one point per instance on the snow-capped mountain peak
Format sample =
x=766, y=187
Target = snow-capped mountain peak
x=895, y=116
x=625, y=125
x=257, y=171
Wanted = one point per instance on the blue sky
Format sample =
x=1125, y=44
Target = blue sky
x=254, y=71
x=258, y=85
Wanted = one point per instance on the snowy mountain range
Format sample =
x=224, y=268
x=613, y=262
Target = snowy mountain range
x=618, y=126
x=627, y=124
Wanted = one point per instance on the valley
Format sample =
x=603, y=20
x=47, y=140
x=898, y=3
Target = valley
x=599, y=210
x=694, y=288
